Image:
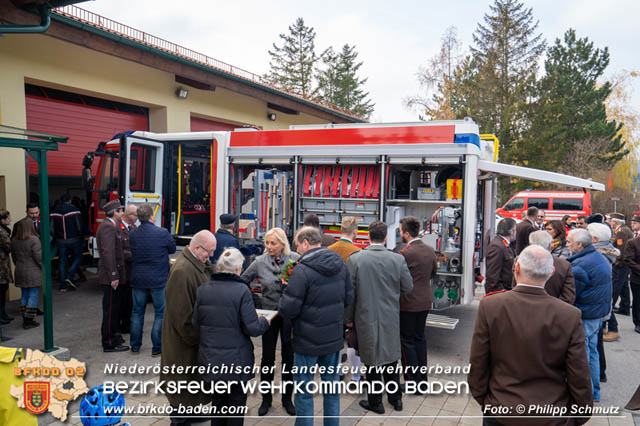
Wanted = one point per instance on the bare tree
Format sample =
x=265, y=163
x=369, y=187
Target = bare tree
x=436, y=81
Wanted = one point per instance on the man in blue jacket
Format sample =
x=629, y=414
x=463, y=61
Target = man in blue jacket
x=224, y=236
x=317, y=293
x=592, y=273
x=150, y=249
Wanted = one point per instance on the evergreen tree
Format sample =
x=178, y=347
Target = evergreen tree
x=495, y=84
x=570, y=118
x=293, y=64
x=339, y=84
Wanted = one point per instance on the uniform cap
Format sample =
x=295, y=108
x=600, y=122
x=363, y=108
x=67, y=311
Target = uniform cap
x=227, y=219
x=112, y=206
x=635, y=218
x=618, y=216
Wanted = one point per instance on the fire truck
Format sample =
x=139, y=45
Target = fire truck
x=442, y=172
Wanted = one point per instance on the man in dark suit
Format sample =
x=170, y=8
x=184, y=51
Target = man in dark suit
x=33, y=213
x=514, y=363
x=225, y=237
x=526, y=227
x=111, y=272
x=125, y=225
x=150, y=249
x=632, y=260
x=621, y=234
x=561, y=284
x=499, y=260
x=415, y=305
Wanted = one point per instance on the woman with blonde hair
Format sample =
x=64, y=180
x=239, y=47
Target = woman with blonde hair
x=266, y=269
x=27, y=256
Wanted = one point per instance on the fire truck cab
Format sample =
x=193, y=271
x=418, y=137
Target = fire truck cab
x=442, y=172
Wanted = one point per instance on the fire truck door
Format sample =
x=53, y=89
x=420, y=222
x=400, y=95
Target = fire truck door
x=143, y=174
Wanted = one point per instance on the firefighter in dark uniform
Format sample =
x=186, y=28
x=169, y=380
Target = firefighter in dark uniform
x=620, y=274
x=111, y=272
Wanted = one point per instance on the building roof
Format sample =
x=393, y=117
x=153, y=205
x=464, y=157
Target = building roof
x=105, y=27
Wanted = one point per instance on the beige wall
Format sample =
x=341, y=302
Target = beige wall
x=12, y=161
x=50, y=62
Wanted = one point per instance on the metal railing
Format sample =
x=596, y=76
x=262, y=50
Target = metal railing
x=93, y=19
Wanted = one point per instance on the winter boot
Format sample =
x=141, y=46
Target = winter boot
x=4, y=318
x=28, y=318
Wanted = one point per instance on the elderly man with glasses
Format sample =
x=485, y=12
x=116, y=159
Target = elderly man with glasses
x=180, y=340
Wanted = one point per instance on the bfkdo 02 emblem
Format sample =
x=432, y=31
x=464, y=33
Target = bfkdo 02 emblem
x=36, y=396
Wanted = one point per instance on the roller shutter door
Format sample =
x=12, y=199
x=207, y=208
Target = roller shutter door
x=204, y=125
x=85, y=126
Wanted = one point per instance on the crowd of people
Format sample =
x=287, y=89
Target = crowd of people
x=591, y=264
x=541, y=277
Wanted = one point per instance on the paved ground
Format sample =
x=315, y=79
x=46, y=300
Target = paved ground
x=77, y=317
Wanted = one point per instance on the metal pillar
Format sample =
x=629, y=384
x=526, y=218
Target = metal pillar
x=40, y=156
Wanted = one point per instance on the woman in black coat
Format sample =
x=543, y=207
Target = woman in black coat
x=226, y=317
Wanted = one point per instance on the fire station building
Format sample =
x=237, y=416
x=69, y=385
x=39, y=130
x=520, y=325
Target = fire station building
x=89, y=78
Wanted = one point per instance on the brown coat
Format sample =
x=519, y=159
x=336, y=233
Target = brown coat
x=529, y=348
x=632, y=258
x=523, y=229
x=111, y=264
x=5, y=256
x=620, y=239
x=561, y=284
x=499, y=261
x=344, y=248
x=27, y=256
x=180, y=340
x=421, y=260
x=126, y=248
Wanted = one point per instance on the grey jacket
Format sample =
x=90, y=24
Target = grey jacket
x=607, y=250
x=27, y=257
x=267, y=273
x=379, y=277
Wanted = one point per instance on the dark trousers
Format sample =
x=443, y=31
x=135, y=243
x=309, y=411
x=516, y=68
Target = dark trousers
x=414, y=343
x=603, y=361
x=111, y=316
x=620, y=282
x=635, y=307
x=235, y=399
x=4, y=288
x=490, y=421
x=374, y=376
x=282, y=327
x=126, y=307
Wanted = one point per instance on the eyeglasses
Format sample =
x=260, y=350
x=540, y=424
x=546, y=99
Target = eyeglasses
x=540, y=217
x=209, y=252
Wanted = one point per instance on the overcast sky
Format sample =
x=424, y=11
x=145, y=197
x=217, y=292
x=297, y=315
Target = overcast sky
x=393, y=42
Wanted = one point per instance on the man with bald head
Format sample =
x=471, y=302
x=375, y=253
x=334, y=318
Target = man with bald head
x=179, y=338
x=516, y=363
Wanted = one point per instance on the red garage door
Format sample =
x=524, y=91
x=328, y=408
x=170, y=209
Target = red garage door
x=85, y=120
x=204, y=125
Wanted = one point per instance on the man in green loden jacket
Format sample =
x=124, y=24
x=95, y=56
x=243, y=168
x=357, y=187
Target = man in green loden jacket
x=379, y=277
x=180, y=340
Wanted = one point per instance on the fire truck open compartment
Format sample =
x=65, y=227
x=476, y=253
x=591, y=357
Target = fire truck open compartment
x=262, y=196
x=432, y=193
x=187, y=203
